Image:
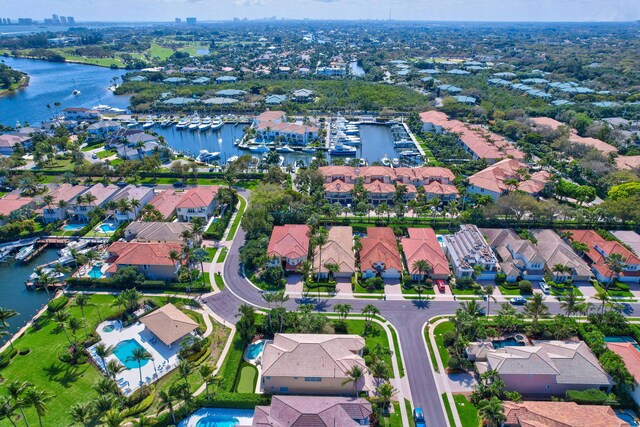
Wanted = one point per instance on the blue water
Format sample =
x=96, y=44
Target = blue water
x=73, y=227
x=629, y=418
x=255, y=349
x=219, y=417
x=107, y=227
x=124, y=350
x=623, y=339
x=51, y=82
x=509, y=342
x=440, y=239
x=95, y=272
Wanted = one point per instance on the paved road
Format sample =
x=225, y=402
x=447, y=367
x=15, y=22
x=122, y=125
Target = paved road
x=406, y=316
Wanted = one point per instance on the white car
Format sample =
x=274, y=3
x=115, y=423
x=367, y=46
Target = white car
x=544, y=287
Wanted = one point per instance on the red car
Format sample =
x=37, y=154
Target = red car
x=440, y=284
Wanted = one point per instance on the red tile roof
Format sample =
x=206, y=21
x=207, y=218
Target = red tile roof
x=444, y=189
x=574, y=137
x=630, y=355
x=560, y=414
x=269, y=116
x=493, y=177
x=166, y=201
x=136, y=253
x=289, y=241
x=593, y=240
x=285, y=127
x=198, y=197
x=66, y=192
x=13, y=202
x=379, y=187
x=380, y=246
x=338, y=186
x=423, y=244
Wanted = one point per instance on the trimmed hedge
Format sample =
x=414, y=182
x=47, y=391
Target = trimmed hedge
x=591, y=396
x=231, y=364
x=7, y=357
x=233, y=400
x=155, y=285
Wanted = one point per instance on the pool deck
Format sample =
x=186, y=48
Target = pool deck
x=257, y=362
x=164, y=360
x=244, y=416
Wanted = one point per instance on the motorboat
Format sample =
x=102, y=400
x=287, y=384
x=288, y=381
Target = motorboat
x=195, y=123
x=309, y=150
x=362, y=162
x=395, y=162
x=206, y=156
x=165, y=123
x=76, y=92
x=236, y=142
x=216, y=123
x=385, y=160
x=25, y=251
x=259, y=149
x=183, y=123
x=55, y=275
x=147, y=125
x=133, y=123
x=232, y=159
x=73, y=246
x=285, y=149
x=342, y=150
x=205, y=124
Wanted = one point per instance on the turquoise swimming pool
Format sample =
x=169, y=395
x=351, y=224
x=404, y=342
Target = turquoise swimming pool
x=123, y=351
x=95, y=272
x=623, y=339
x=507, y=342
x=107, y=227
x=255, y=349
x=219, y=417
x=73, y=227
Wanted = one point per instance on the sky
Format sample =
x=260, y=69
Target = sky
x=429, y=10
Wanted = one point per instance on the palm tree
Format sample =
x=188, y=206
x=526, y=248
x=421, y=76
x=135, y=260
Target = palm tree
x=319, y=240
x=422, y=267
x=185, y=368
x=472, y=308
x=82, y=413
x=166, y=402
x=113, y=368
x=420, y=289
x=102, y=351
x=176, y=257
x=570, y=303
x=332, y=268
x=74, y=326
x=305, y=268
x=353, y=376
x=369, y=311
x=343, y=310
x=536, y=308
x=492, y=411
x=488, y=292
x=113, y=417
x=104, y=403
x=200, y=255
x=384, y=393
x=6, y=314
x=61, y=317
x=38, y=400
x=139, y=355
x=205, y=372
x=602, y=296
x=615, y=263
x=83, y=300
x=16, y=389
x=7, y=410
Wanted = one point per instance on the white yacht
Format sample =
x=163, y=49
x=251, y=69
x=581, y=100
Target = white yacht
x=205, y=124
x=385, y=160
x=395, y=161
x=259, y=148
x=147, y=125
x=232, y=159
x=24, y=252
x=309, y=150
x=285, y=149
x=76, y=92
x=216, y=123
x=165, y=123
x=195, y=123
x=183, y=123
x=342, y=150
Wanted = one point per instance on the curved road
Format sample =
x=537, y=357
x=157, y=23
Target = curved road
x=407, y=316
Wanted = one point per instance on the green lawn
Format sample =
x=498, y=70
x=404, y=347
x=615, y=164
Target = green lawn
x=397, y=346
x=438, y=335
x=223, y=254
x=105, y=153
x=394, y=419
x=566, y=291
x=508, y=291
x=432, y=353
x=376, y=334
x=447, y=407
x=212, y=252
x=467, y=412
x=219, y=281
x=157, y=51
x=411, y=292
x=359, y=289
x=238, y=218
x=247, y=378
x=41, y=367
x=465, y=291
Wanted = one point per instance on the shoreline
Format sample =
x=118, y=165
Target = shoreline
x=23, y=83
x=70, y=61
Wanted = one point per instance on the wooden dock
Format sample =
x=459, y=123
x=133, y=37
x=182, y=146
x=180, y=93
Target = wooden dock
x=35, y=252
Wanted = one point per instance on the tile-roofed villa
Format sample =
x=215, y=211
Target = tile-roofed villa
x=466, y=249
x=197, y=202
x=165, y=202
x=289, y=245
x=493, y=180
x=559, y=414
x=150, y=259
x=597, y=144
x=169, y=324
x=313, y=364
x=545, y=368
x=64, y=193
x=631, y=358
x=600, y=249
x=271, y=116
x=379, y=254
x=422, y=244
x=137, y=198
x=100, y=194
x=156, y=232
x=519, y=258
x=316, y=411
x=338, y=250
x=14, y=202
x=556, y=251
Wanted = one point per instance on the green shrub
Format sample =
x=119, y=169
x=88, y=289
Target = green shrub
x=57, y=304
x=448, y=338
x=501, y=279
x=525, y=287
x=233, y=400
x=141, y=406
x=231, y=364
x=621, y=286
x=591, y=396
x=7, y=356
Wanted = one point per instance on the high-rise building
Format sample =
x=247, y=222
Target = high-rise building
x=56, y=19
x=71, y=20
x=178, y=21
x=191, y=21
x=63, y=20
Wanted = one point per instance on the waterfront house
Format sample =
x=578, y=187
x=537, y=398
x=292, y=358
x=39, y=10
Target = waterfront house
x=630, y=238
x=467, y=249
x=559, y=414
x=303, y=95
x=62, y=196
x=198, y=202
x=103, y=128
x=13, y=204
x=379, y=255
x=545, y=368
x=9, y=142
x=320, y=411
x=150, y=259
x=166, y=202
x=500, y=178
x=556, y=251
x=169, y=324
x=338, y=250
x=96, y=196
x=519, y=258
x=422, y=244
x=157, y=232
x=80, y=114
x=135, y=197
x=313, y=364
x=288, y=246
x=270, y=116
x=630, y=355
x=293, y=133
x=598, y=251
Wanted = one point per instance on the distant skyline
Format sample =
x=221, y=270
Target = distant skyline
x=427, y=10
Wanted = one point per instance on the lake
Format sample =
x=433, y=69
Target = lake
x=13, y=292
x=53, y=82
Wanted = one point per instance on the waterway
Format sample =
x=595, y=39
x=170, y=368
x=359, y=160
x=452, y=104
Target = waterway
x=51, y=82
x=355, y=69
x=14, y=294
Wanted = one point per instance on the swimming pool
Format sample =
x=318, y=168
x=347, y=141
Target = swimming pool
x=628, y=416
x=623, y=339
x=124, y=350
x=107, y=227
x=219, y=417
x=95, y=272
x=73, y=227
x=108, y=328
x=255, y=349
x=507, y=342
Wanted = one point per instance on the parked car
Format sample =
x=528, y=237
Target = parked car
x=418, y=417
x=94, y=156
x=544, y=287
x=121, y=184
x=518, y=300
x=178, y=184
